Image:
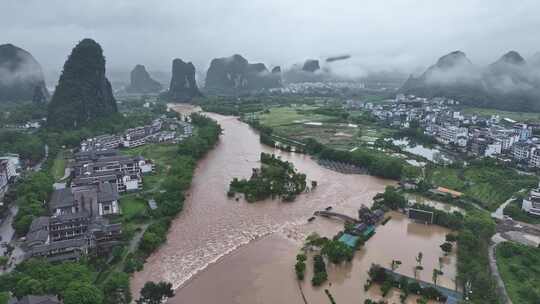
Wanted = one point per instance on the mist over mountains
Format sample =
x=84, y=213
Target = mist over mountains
x=21, y=76
x=510, y=83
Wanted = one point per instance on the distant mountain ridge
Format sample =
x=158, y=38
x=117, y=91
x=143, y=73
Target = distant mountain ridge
x=183, y=85
x=236, y=75
x=142, y=82
x=21, y=76
x=510, y=83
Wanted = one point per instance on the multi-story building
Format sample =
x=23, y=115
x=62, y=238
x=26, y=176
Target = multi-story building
x=521, y=151
x=98, y=200
x=111, y=162
x=523, y=131
x=479, y=145
x=4, y=176
x=108, y=166
x=102, y=142
x=77, y=226
x=450, y=134
x=13, y=165
x=531, y=204
x=534, y=158
x=124, y=181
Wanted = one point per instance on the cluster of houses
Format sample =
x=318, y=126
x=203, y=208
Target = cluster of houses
x=79, y=221
x=492, y=136
x=163, y=129
x=29, y=125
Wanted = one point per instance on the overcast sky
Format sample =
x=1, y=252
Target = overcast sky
x=378, y=34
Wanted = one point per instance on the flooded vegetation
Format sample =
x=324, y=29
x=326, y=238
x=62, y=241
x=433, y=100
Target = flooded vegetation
x=431, y=154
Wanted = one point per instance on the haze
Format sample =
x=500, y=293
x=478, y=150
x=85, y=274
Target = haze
x=394, y=35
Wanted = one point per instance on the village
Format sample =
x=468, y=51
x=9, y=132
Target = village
x=85, y=202
x=467, y=134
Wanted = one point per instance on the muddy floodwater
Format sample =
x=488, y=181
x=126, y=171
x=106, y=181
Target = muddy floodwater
x=220, y=250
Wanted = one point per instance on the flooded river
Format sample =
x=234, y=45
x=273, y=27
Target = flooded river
x=220, y=250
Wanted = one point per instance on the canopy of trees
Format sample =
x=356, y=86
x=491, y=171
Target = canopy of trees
x=275, y=178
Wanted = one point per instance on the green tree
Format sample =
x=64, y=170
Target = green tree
x=153, y=293
x=446, y=247
x=82, y=293
x=337, y=251
x=435, y=275
x=28, y=286
x=116, y=288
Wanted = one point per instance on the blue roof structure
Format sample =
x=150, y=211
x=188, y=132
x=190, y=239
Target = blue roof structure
x=368, y=230
x=349, y=239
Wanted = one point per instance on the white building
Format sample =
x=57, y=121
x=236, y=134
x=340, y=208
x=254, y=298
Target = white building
x=523, y=131
x=493, y=149
x=4, y=180
x=521, y=150
x=13, y=165
x=534, y=158
x=531, y=204
x=450, y=134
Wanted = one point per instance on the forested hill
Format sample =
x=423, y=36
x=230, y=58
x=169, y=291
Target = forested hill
x=83, y=93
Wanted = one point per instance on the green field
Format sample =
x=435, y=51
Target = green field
x=334, y=131
x=59, y=166
x=518, y=116
x=488, y=185
x=519, y=266
x=289, y=115
x=161, y=155
x=134, y=207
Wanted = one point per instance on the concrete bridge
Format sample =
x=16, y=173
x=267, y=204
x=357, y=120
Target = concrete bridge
x=340, y=216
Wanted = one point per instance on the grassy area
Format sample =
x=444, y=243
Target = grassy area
x=489, y=185
x=333, y=131
x=161, y=155
x=519, y=266
x=59, y=166
x=289, y=115
x=134, y=207
x=4, y=297
x=519, y=116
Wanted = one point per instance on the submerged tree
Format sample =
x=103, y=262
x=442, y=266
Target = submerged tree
x=153, y=293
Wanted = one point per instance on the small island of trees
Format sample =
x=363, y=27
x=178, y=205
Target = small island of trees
x=275, y=178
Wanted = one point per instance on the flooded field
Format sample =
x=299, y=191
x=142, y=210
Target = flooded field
x=415, y=198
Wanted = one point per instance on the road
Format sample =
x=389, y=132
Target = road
x=495, y=240
x=38, y=166
x=6, y=230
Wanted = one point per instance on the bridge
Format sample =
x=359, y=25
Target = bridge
x=340, y=216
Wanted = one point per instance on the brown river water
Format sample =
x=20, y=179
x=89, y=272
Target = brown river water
x=220, y=250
